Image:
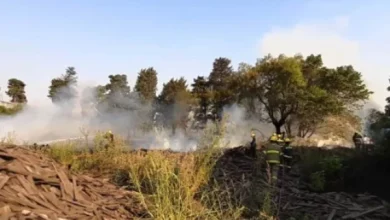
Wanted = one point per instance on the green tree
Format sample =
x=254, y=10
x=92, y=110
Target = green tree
x=175, y=99
x=219, y=81
x=146, y=84
x=316, y=103
x=300, y=93
x=118, y=92
x=280, y=87
x=100, y=93
x=330, y=92
x=62, y=88
x=201, y=92
x=118, y=85
x=16, y=91
x=245, y=87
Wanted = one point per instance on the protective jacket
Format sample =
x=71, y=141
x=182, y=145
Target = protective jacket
x=272, y=153
x=287, y=151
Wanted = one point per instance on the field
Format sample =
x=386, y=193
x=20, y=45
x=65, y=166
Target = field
x=211, y=183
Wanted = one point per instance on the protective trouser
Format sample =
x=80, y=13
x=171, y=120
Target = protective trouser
x=273, y=172
x=287, y=162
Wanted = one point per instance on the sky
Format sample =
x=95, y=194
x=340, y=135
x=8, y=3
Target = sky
x=40, y=39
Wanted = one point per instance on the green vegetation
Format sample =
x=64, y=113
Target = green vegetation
x=62, y=88
x=9, y=111
x=16, y=91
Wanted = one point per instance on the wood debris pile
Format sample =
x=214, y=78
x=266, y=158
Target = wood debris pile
x=245, y=177
x=35, y=187
x=332, y=205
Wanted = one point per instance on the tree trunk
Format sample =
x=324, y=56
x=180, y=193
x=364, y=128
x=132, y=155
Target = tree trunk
x=278, y=128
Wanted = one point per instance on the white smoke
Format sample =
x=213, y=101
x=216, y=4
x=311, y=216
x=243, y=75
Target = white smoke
x=66, y=120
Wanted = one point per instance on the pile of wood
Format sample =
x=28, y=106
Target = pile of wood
x=333, y=205
x=245, y=178
x=35, y=187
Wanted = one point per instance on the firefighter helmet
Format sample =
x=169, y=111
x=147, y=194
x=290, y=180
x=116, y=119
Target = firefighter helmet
x=274, y=138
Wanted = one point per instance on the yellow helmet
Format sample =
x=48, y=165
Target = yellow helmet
x=109, y=131
x=273, y=138
x=253, y=134
x=288, y=140
x=280, y=140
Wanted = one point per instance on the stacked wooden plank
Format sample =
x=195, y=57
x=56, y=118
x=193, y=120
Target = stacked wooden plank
x=34, y=187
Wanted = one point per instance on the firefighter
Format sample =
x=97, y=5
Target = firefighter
x=280, y=140
x=272, y=153
x=358, y=141
x=109, y=136
x=253, y=144
x=287, y=155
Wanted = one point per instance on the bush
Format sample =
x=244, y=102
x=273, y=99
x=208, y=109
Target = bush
x=11, y=111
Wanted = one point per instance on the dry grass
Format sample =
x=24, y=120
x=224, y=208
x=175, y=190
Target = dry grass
x=170, y=183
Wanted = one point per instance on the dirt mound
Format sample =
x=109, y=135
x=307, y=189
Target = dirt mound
x=35, y=187
x=245, y=178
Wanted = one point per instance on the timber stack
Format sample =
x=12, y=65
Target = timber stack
x=33, y=186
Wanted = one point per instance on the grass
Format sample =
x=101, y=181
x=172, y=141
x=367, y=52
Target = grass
x=170, y=184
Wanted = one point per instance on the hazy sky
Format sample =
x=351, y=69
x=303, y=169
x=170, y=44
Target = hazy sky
x=39, y=39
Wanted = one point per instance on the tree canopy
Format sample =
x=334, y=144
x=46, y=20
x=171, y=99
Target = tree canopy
x=146, y=84
x=299, y=93
x=16, y=91
x=295, y=93
x=62, y=88
x=175, y=99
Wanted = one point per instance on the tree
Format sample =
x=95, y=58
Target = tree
x=175, y=100
x=100, y=93
x=202, y=93
x=146, y=84
x=300, y=93
x=219, y=81
x=16, y=90
x=332, y=92
x=387, y=107
x=280, y=85
x=62, y=88
x=118, y=91
x=118, y=85
x=316, y=103
x=245, y=87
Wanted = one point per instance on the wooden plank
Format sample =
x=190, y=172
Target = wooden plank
x=6, y=156
x=331, y=215
x=3, y=181
x=356, y=215
x=54, y=201
x=25, y=184
x=65, y=181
